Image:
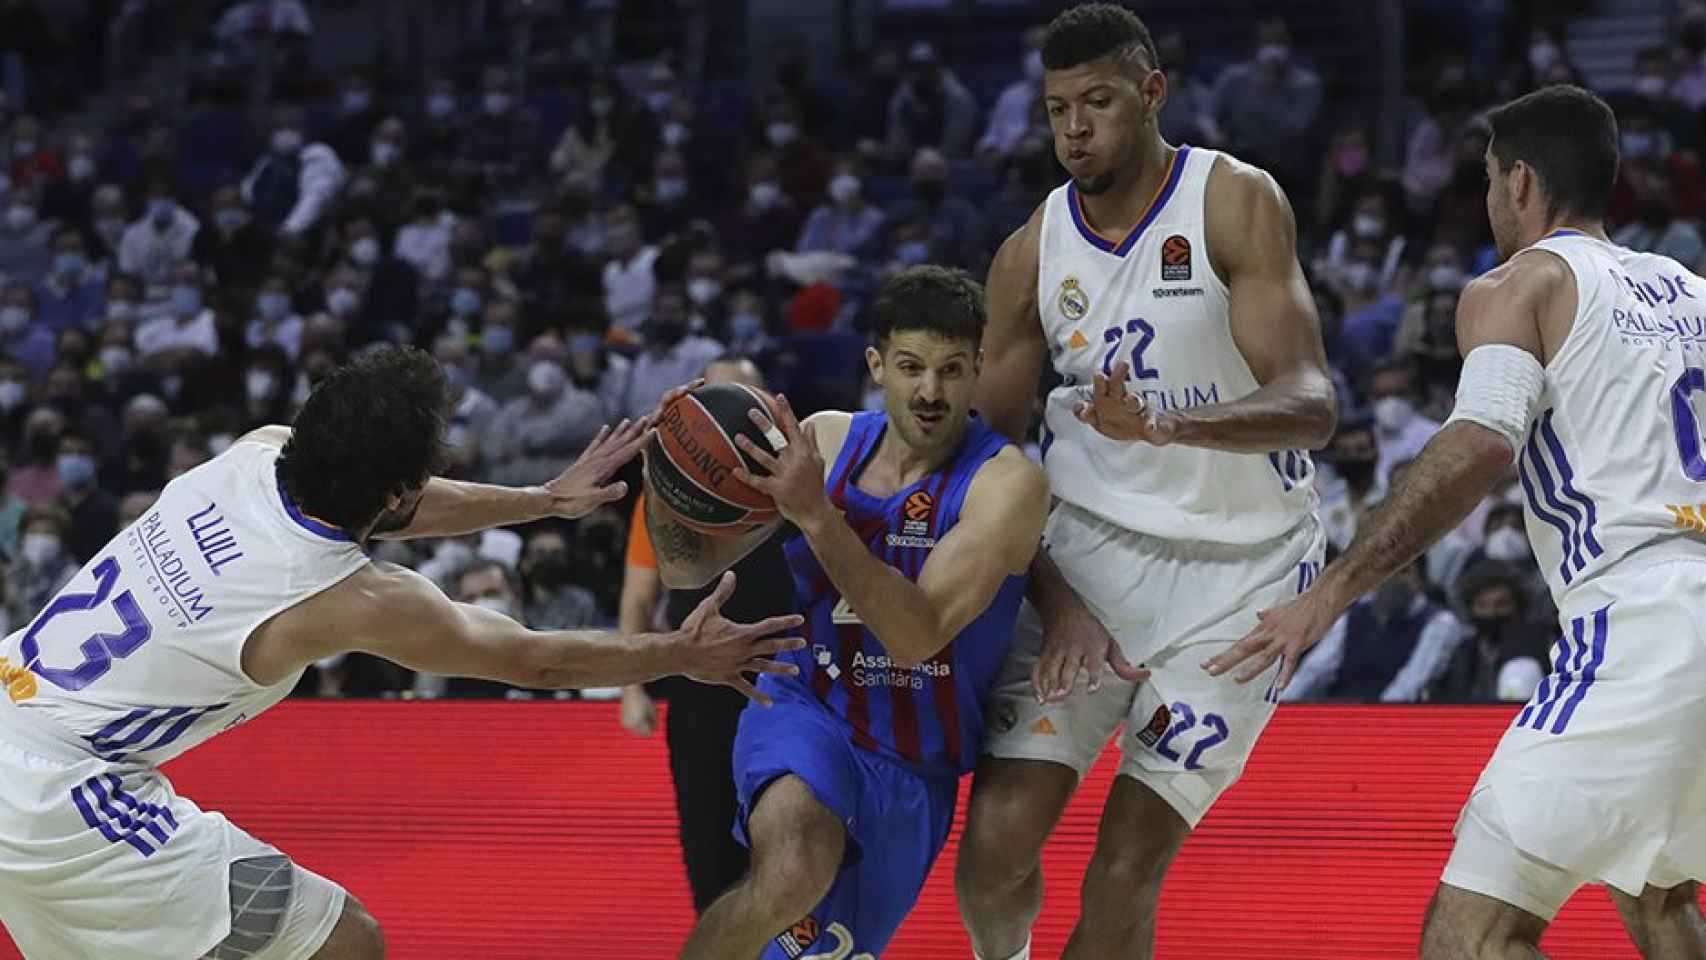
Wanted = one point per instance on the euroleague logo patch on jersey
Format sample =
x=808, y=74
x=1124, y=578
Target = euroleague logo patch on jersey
x=1176, y=258
x=1074, y=302
x=797, y=938
x=1152, y=733
x=915, y=522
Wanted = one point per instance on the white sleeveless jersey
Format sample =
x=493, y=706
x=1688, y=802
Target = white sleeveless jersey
x=139, y=655
x=1612, y=462
x=1154, y=300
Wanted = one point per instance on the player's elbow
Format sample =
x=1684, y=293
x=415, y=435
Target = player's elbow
x=1322, y=405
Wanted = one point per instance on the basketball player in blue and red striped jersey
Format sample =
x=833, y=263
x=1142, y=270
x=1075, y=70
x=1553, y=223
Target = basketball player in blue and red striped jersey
x=916, y=525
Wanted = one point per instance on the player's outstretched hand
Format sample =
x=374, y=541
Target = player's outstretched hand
x=717, y=650
x=1119, y=415
x=585, y=485
x=1075, y=640
x=793, y=475
x=1284, y=633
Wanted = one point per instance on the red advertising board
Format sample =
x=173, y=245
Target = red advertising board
x=519, y=831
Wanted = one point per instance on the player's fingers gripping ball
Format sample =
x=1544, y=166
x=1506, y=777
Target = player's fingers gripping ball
x=691, y=460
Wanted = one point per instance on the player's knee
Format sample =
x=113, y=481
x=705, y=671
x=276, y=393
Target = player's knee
x=1128, y=875
x=993, y=854
x=798, y=845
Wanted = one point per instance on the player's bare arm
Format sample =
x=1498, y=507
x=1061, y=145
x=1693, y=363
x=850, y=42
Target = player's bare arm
x=1013, y=345
x=688, y=559
x=395, y=613
x=996, y=537
x=1512, y=307
x=1252, y=240
x=453, y=508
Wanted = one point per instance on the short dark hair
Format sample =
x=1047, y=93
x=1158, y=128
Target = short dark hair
x=372, y=428
x=1568, y=137
x=1093, y=30
x=928, y=297
x=1493, y=573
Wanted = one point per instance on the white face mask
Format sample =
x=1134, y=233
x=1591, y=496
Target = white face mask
x=20, y=217
x=115, y=359
x=365, y=251
x=40, y=549
x=1508, y=544
x=14, y=319
x=844, y=188
x=1650, y=86
x=343, y=301
x=259, y=384
x=1445, y=278
x=287, y=140
x=702, y=290
x=11, y=394
x=1360, y=277
x=765, y=194
x=384, y=153
x=781, y=134
x=1393, y=413
x=81, y=167
x=1368, y=225
x=674, y=133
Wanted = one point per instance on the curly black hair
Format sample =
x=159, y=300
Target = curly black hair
x=1093, y=30
x=373, y=427
x=928, y=297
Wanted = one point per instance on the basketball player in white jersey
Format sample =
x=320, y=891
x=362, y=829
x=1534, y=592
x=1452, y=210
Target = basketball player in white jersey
x=205, y=611
x=1163, y=282
x=1583, y=362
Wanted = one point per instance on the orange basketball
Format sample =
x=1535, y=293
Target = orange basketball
x=691, y=461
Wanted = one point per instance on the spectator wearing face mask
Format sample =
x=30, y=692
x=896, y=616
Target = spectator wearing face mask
x=22, y=338
x=768, y=220
x=1504, y=642
x=92, y=513
x=154, y=245
x=1656, y=228
x=266, y=388
x=1503, y=540
x=11, y=510
x=846, y=223
x=535, y=437
x=293, y=183
x=1188, y=114
x=1644, y=145
x=1371, y=315
x=1013, y=117
x=550, y=272
x=31, y=162
x=358, y=114
x=747, y=332
x=140, y=463
x=108, y=220
x=672, y=355
x=1390, y=647
x=14, y=401
x=930, y=108
x=471, y=409
x=68, y=199
x=628, y=281
x=274, y=320
x=184, y=335
x=1654, y=73
x=803, y=164
x=385, y=178
x=489, y=584
x=387, y=286
x=26, y=252
x=552, y=600
x=232, y=246
x=1430, y=155
x=590, y=364
x=669, y=201
x=40, y=567
x=1347, y=173
x=424, y=241
x=955, y=227
x=35, y=478
x=501, y=141
x=72, y=294
x=610, y=123
x=439, y=128
x=1348, y=481
x=1400, y=428
x=501, y=372
x=467, y=298
x=1268, y=105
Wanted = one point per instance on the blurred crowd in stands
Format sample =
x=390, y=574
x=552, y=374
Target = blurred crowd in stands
x=179, y=264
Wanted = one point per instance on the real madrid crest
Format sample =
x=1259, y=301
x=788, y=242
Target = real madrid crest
x=1074, y=302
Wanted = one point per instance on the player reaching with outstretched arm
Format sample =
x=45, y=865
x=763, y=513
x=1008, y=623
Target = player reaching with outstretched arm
x=1582, y=362
x=1163, y=282
x=204, y=613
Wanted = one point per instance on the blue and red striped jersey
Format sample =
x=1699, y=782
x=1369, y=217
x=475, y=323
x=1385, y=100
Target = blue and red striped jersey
x=930, y=715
